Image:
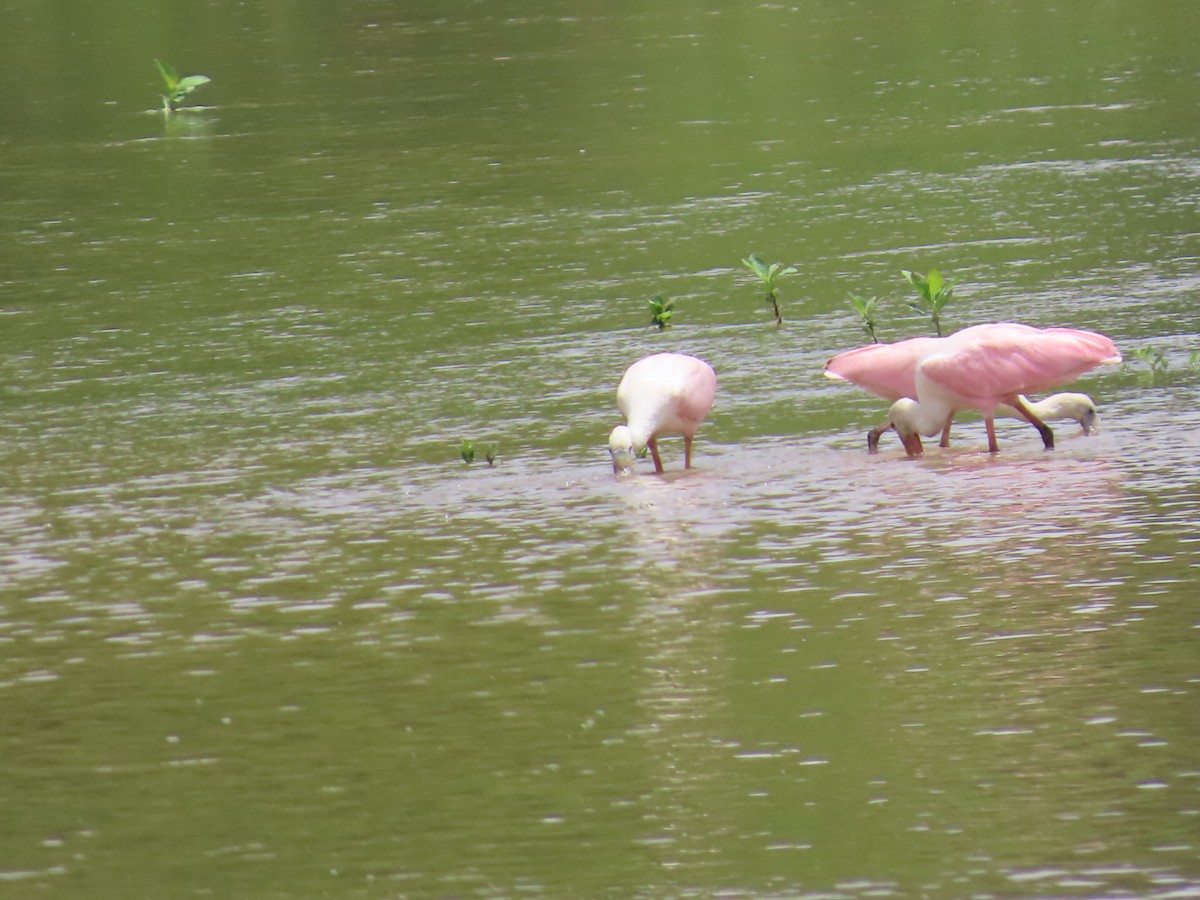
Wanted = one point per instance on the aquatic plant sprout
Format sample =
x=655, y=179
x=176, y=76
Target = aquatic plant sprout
x=177, y=89
x=866, y=309
x=769, y=274
x=933, y=293
x=661, y=310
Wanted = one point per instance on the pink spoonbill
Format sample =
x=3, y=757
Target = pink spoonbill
x=889, y=371
x=661, y=395
x=985, y=367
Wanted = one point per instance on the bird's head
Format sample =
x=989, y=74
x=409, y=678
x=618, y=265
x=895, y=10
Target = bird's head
x=875, y=434
x=1080, y=408
x=903, y=417
x=620, y=446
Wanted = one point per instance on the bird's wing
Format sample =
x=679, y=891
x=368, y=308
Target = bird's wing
x=996, y=364
x=695, y=391
x=886, y=370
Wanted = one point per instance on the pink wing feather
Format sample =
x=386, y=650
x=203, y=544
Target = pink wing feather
x=886, y=370
x=696, y=391
x=989, y=362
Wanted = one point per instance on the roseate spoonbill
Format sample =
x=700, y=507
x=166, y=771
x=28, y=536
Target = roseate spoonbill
x=982, y=368
x=661, y=395
x=889, y=371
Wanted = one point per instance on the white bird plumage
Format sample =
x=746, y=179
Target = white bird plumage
x=661, y=395
x=1058, y=407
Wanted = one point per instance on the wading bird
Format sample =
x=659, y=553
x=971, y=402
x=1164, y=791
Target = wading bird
x=661, y=395
x=889, y=371
x=1078, y=407
x=984, y=367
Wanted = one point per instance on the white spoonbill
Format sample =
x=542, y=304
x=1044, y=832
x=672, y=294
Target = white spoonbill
x=661, y=395
x=982, y=368
x=1078, y=407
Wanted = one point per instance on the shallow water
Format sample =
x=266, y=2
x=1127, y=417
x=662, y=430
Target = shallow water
x=265, y=634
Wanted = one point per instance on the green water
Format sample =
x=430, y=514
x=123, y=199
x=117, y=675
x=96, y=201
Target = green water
x=264, y=634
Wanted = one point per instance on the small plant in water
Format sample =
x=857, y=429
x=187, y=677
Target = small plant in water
x=866, y=310
x=467, y=451
x=768, y=274
x=1152, y=357
x=661, y=310
x=177, y=88
x=933, y=293
x=1194, y=360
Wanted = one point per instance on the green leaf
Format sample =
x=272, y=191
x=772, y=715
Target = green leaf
x=865, y=308
x=757, y=265
x=935, y=281
x=661, y=311
x=168, y=74
x=191, y=82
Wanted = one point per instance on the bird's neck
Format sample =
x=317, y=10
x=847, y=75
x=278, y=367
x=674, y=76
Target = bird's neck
x=927, y=417
x=641, y=429
x=1056, y=406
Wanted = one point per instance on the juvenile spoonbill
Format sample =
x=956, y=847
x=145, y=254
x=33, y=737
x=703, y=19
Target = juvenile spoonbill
x=1078, y=407
x=981, y=368
x=661, y=395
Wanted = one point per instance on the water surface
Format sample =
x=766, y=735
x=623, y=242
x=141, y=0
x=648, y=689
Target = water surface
x=264, y=633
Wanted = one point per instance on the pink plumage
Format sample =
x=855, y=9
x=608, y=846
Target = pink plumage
x=886, y=370
x=984, y=364
x=661, y=395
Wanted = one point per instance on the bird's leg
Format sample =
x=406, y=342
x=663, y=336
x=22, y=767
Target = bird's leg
x=687, y=451
x=1020, y=406
x=945, y=441
x=875, y=434
x=993, y=447
x=653, y=445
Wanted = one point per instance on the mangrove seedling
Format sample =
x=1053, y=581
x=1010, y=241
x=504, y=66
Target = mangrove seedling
x=177, y=88
x=467, y=451
x=769, y=274
x=661, y=310
x=933, y=293
x=866, y=313
x=1152, y=357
